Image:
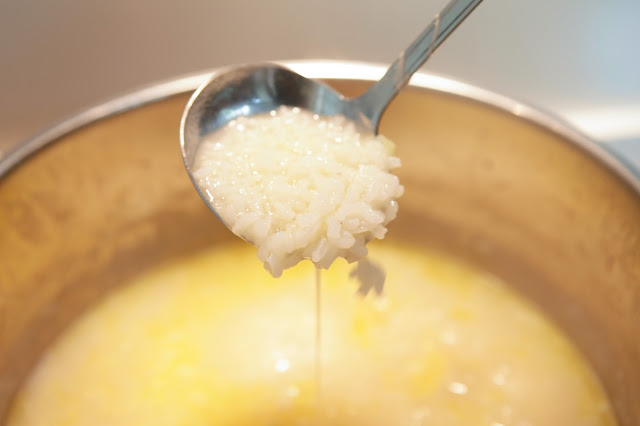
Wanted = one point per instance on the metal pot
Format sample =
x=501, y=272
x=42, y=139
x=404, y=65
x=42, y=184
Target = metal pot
x=104, y=195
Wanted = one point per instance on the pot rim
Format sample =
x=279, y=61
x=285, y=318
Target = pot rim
x=330, y=70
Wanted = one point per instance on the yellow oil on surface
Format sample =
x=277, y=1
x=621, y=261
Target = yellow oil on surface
x=214, y=340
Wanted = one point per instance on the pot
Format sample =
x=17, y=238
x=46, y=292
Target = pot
x=104, y=195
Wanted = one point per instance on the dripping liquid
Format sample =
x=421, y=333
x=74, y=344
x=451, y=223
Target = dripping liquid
x=318, y=341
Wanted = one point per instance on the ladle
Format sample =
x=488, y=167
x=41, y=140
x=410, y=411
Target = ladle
x=258, y=89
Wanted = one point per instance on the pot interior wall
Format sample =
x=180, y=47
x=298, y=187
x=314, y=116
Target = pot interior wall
x=112, y=199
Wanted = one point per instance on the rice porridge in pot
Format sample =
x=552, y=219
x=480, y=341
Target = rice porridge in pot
x=215, y=340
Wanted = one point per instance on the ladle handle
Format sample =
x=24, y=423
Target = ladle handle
x=375, y=100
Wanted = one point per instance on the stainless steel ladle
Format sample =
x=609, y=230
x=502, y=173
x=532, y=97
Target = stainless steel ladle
x=257, y=89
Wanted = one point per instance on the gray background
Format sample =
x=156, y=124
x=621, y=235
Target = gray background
x=579, y=59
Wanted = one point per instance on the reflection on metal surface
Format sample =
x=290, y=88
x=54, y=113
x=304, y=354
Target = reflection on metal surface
x=607, y=124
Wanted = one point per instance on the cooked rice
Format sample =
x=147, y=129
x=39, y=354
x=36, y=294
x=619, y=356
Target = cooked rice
x=300, y=186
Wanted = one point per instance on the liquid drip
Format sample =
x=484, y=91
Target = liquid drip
x=318, y=342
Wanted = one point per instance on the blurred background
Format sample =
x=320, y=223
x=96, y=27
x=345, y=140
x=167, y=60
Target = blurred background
x=578, y=59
